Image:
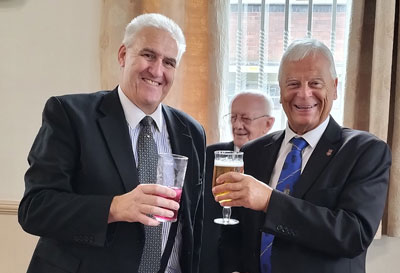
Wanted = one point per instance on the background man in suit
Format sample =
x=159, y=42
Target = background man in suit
x=250, y=118
x=327, y=220
x=83, y=196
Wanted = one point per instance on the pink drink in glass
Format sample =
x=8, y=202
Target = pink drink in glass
x=177, y=199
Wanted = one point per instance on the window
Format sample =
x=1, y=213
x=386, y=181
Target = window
x=260, y=31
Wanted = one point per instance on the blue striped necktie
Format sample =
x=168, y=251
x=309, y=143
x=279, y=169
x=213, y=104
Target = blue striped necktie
x=290, y=173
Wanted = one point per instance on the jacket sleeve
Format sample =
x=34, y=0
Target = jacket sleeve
x=50, y=206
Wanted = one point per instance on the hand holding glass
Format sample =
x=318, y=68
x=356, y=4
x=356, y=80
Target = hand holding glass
x=171, y=170
x=226, y=161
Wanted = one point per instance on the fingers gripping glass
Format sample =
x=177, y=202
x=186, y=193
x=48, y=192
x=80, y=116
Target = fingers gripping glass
x=244, y=119
x=226, y=161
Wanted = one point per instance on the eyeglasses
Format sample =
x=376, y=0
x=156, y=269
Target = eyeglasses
x=246, y=120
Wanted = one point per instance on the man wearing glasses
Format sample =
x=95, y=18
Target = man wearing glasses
x=250, y=118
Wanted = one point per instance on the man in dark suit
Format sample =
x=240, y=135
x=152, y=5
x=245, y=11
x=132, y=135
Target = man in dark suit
x=327, y=220
x=83, y=196
x=250, y=117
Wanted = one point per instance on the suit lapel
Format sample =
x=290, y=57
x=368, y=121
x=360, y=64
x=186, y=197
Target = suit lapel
x=180, y=139
x=271, y=154
x=115, y=130
x=322, y=154
x=181, y=143
x=259, y=164
x=230, y=146
x=264, y=162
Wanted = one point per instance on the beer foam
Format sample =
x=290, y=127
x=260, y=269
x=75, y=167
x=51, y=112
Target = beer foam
x=225, y=163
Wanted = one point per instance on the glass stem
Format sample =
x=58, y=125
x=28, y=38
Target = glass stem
x=226, y=214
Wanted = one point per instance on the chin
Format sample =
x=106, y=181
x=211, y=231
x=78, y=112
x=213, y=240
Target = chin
x=153, y=99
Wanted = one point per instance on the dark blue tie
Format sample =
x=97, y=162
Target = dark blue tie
x=290, y=173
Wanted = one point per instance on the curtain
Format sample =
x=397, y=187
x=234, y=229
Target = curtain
x=198, y=80
x=372, y=87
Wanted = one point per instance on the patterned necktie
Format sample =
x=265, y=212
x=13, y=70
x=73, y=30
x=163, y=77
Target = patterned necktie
x=147, y=170
x=290, y=173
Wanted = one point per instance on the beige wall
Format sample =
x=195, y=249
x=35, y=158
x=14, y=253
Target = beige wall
x=16, y=246
x=384, y=256
x=48, y=48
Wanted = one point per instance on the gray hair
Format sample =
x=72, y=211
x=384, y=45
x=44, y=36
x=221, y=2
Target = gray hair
x=267, y=101
x=300, y=49
x=158, y=21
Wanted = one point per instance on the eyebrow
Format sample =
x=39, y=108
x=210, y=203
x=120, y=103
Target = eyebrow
x=311, y=79
x=291, y=80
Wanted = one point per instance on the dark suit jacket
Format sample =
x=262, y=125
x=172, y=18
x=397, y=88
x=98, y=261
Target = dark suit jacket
x=81, y=158
x=332, y=217
x=211, y=231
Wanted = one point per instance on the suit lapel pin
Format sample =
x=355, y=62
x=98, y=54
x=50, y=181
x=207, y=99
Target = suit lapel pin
x=329, y=152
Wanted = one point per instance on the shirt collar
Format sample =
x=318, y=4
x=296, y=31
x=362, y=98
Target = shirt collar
x=312, y=137
x=134, y=114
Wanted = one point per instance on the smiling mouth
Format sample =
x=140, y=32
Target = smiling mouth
x=305, y=107
x=151, y=82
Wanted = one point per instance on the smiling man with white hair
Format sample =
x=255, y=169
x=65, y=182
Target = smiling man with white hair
x=90, y=188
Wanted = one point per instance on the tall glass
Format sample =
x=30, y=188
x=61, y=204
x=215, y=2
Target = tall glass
x=171, y=170
x=226, y=161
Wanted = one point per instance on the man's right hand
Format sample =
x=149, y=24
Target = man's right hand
x=243, y=191
x=144, y=200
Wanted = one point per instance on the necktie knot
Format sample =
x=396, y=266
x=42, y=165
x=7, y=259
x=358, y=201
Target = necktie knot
x=146, y=121
x=298, y=143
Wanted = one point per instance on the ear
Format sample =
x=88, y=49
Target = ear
x=122, y=55
x=269, y=123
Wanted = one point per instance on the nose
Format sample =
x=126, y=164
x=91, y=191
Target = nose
x=156, y=68
x=237, y=123
x=305, y=91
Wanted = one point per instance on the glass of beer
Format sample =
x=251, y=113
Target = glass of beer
x=226, y=161
x=171, y=170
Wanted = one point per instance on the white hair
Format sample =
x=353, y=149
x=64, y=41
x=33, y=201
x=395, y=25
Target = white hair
x=158, y=21
x=300, y=49
x=264, y=98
